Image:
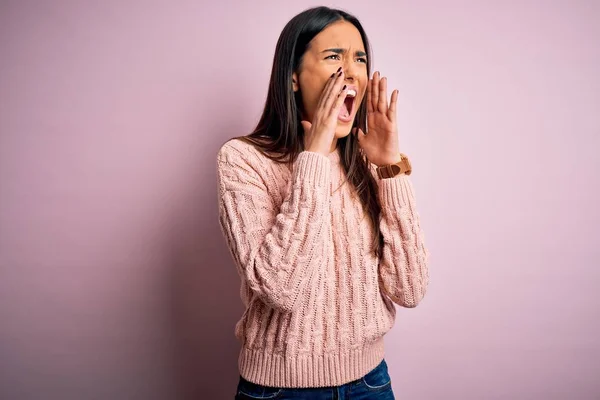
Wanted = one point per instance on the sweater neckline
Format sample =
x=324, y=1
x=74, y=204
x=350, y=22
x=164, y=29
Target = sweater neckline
x=334, y=156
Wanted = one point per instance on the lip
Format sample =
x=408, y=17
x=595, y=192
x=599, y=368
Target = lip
x=350, y=118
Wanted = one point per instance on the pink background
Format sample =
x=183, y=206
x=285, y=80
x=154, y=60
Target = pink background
x=115, y=282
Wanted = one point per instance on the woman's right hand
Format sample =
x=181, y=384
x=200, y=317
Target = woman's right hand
x=319, y=134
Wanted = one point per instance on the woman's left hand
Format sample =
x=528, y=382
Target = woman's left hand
x=380, y=144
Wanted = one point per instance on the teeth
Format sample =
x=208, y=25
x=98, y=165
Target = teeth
x=351, y=93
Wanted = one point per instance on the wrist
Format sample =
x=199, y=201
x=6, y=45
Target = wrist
x=394, y=169
x=390, y=160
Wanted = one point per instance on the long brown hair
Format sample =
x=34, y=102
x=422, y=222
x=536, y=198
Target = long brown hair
x=279, y=134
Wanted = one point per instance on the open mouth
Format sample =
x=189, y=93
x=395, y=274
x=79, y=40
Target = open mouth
x=348, y=105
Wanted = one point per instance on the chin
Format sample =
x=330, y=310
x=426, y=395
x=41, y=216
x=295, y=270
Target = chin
x=342, y=133
x=343, y=130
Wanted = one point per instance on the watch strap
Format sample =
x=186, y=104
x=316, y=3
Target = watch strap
x=391, y=170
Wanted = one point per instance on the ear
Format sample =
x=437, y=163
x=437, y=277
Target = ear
x=295, y=86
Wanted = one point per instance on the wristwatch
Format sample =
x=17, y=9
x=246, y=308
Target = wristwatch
x=391, y=170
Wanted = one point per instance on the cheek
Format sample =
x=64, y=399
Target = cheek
x=363, y=98
x=311, y=92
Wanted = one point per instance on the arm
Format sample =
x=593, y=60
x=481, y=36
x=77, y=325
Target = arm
x=276, y=248
x=403, y=268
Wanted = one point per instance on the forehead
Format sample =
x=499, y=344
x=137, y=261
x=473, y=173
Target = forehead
x=340, y=34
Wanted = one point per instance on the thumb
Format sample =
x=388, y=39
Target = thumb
x=360, y=135
x=306, y=125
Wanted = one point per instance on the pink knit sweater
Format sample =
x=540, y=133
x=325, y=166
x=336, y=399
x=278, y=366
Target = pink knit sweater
x=318, y=302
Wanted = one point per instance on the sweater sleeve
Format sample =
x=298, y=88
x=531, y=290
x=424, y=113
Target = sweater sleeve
x=276, y=247
x=403, y=268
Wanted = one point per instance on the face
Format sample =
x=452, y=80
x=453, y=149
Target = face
x=338, y=45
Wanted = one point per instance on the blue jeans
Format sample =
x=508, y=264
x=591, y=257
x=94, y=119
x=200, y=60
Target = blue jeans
x=374, y=385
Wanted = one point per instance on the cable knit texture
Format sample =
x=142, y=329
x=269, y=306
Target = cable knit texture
x=318, y=301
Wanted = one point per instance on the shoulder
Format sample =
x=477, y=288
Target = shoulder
x=242, y=161
x=239, y=153
x=236, y=147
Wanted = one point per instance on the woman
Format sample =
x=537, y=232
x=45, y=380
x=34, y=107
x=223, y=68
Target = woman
x=323, y=231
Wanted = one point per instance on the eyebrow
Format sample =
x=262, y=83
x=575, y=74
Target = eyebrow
x=358, y=53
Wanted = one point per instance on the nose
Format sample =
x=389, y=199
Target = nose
x=350, y=69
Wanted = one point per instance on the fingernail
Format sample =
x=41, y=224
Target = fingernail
x=339, y=69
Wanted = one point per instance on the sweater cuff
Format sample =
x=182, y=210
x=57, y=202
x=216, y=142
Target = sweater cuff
x=396, y=193
x=312, y=167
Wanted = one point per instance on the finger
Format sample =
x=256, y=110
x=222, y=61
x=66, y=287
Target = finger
x=306, y=125
x=337, y=105
x=369, y=100
x=334, y=92
x=393, y=104
x=360, y=135
x=375, y=91
x=327, y=89
x=382, y=103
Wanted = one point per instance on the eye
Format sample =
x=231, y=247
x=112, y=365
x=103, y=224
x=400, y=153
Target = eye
x=360, y=59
